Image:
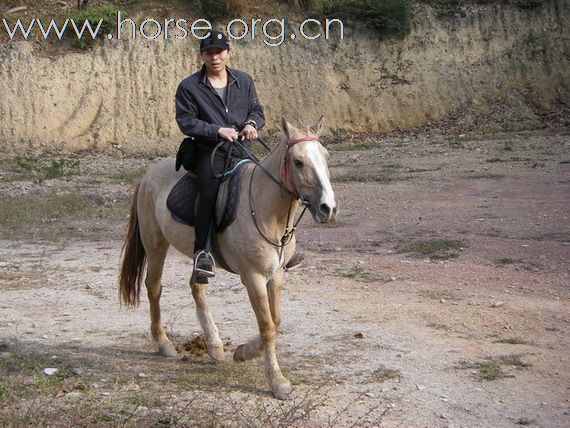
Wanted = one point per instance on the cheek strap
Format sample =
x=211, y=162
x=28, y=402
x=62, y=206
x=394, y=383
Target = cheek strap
x=285, y=169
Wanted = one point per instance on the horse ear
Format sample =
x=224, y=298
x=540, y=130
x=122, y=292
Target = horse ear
x=286, y=127
x=317, y=128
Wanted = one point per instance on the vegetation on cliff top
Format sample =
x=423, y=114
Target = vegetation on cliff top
x=388, y=18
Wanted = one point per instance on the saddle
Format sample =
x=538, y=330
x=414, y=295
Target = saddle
x=182, y=199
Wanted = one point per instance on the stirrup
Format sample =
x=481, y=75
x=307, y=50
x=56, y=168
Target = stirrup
x=200, y=256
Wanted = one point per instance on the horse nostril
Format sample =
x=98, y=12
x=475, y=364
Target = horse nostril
x=325, y=209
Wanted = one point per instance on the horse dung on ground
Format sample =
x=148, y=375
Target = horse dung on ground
x=256, y=246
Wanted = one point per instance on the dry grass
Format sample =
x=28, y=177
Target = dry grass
x=108, y=390
x=512, y=341
x=492, y=368
x=435, y=249
x=360, y=274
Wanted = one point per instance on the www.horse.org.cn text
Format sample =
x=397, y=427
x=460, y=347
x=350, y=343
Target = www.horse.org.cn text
x=273, y=31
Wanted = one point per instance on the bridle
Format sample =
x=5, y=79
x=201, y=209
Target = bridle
x=287, y=186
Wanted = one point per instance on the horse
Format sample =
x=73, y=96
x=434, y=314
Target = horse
x=256, y=246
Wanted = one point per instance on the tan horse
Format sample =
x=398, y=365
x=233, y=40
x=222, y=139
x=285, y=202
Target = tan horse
x=293, y=172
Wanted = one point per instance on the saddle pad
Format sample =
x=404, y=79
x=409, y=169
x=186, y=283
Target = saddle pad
x=228, y=198
x=182, y=200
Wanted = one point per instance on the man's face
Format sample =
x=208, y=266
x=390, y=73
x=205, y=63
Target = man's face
x=215, y=59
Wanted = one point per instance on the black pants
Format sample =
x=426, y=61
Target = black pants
x=208, y=189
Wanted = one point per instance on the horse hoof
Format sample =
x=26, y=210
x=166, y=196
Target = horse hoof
x=216, y=353
x=282, y=390
x=239, y=354
x=167, y=350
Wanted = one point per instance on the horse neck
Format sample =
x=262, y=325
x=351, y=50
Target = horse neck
x=272, y=202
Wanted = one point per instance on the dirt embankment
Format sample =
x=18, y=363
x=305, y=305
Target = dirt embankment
x=122, y=92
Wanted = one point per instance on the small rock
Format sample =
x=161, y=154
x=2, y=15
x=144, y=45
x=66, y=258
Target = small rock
x=441, y=300
x=141, y=410
x=141, y=375
x=50, y=371
x=29, y=381
x=359, y=335
x=369, y=395
x=74, y=395
x=420, y=387
x=77, y=372
x=497, y=304
x=392, y=278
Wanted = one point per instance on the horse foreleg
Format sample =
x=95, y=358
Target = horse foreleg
x=254, y=347
x=154, y=291
x=258, y=295
x=215, y=345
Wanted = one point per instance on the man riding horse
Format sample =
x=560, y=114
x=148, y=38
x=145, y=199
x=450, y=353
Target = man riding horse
x=216, y=103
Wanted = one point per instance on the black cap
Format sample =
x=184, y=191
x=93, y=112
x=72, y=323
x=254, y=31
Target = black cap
x=215, y=40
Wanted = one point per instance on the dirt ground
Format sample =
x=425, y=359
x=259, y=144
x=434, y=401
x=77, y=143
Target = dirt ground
x=440, y=297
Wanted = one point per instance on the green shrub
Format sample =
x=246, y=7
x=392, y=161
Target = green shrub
x=40, y=170
x=390, y=18
x=445, y=7
x=214, y=10
x=529, y=4
x=106, y=12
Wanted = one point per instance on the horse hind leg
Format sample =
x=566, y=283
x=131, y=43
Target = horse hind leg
x=215, y=345
x=154, y=290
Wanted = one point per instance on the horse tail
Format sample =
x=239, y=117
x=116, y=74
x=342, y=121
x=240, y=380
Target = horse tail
x=134, y=260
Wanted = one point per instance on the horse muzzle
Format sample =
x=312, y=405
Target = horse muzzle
x=323, y=212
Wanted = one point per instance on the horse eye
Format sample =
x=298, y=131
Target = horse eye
x=298, y=163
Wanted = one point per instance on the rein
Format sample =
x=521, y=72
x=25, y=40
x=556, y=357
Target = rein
x=289, y=232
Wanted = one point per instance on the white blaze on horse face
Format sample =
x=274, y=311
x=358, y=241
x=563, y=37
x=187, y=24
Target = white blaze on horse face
x=317, y=158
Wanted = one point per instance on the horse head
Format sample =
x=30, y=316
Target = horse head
x=306, y=172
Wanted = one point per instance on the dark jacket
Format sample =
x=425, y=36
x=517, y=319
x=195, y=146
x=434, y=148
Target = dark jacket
x=200, y=112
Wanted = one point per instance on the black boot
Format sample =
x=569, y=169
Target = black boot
x=203, y=265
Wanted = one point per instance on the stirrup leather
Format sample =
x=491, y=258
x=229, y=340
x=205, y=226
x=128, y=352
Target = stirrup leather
x=201, y=255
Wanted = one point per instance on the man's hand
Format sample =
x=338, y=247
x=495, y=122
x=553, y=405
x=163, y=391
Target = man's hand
x=228, y=134
x=248, y=133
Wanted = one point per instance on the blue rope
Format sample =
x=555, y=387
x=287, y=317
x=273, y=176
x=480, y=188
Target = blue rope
x=232, y=171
